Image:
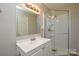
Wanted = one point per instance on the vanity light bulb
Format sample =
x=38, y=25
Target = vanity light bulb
x=39, y=9
x=32, y=6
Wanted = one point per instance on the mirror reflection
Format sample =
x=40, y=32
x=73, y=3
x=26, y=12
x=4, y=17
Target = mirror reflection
x=27, y=22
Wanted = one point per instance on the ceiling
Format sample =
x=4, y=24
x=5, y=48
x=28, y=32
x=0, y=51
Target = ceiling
x=56, y=5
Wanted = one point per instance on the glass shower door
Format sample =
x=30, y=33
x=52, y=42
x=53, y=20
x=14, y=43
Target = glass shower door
x=56, y=29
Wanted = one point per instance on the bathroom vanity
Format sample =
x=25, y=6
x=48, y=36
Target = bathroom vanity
x=34, y=47
x=29, y=42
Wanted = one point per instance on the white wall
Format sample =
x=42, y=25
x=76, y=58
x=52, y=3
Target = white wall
x=74, y=11
x=7, y=29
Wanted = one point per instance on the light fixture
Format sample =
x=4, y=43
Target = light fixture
x=32, y=7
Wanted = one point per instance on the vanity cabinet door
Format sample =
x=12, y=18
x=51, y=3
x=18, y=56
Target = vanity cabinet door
x=44, y=51
x=38, y=53
x=47, y=50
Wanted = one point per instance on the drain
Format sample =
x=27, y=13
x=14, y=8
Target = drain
x=54, y=50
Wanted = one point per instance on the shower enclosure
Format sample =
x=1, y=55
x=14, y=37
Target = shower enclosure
x=56, y=28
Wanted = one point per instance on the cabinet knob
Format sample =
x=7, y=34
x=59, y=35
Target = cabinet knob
x=54, y=50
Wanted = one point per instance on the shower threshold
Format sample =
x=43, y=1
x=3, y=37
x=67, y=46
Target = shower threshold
x=60, y=52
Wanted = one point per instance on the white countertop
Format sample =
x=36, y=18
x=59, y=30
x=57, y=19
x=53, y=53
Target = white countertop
x=27, y=45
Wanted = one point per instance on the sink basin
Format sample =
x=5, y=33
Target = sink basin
x=27, y=45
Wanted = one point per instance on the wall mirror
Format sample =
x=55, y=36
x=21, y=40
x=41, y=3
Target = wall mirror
x=27, y=22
